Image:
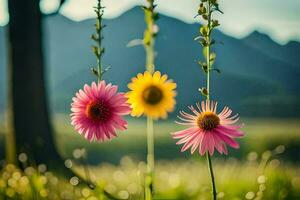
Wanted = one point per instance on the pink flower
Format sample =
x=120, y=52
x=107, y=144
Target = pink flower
x=208, y=130
x=97, y=111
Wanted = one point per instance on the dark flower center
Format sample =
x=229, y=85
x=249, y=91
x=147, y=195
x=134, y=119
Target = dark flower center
x=152, y=95
x=98, y=111
x=208, y=121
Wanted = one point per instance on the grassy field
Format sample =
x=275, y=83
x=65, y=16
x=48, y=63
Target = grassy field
x=178, y=180
x=266, y=167
x=261, y=135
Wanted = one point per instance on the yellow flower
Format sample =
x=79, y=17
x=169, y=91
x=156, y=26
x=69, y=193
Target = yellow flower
x=151, y=95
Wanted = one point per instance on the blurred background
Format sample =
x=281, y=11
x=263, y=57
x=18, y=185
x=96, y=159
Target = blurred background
x=45, y=57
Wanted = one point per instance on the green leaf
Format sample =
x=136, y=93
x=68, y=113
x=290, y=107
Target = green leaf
x=94, y=71
x=105, y=70
x=217, y=70
x=96, y=51
x=203, y=42
x=213, y=1
x=205, y=16
x=215, y=23
x=203, y=91
x=203, y=66
x=212, y=58
x=202, y=9
x=204, y=31
x=95, y=37
x=198, y=37
x=155, y=16
x=102, y=51
x=135, y=42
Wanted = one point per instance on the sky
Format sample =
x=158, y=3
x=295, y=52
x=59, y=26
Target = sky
x=278, y=18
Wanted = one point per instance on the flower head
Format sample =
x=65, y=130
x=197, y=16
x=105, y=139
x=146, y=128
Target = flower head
x=152, y=95
x=208, y=130
x=97, y=111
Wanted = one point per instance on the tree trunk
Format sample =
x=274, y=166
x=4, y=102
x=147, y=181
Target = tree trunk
x=31, y=129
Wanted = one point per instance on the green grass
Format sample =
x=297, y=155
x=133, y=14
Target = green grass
x=266, y=166
x=178, y=180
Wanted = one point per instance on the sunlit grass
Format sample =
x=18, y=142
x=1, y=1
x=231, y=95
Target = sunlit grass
x=265, y=178
x=266, y=166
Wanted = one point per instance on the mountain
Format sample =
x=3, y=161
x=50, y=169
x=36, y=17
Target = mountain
x=258, y=76
x=288, y=53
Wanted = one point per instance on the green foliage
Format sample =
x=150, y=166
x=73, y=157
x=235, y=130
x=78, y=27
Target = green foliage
x=97, y=37
x=206, y=9
x=204, y=31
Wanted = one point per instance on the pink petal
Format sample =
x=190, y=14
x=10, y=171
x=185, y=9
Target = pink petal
x=218, y=144
x=119, y=123
x=231, y=132
x=188, y=137
x=204, y=146
x=111, y=91
x=211, y=143
x=197, y=143
x=183, y=133
x=190, y=142
x=231, y=142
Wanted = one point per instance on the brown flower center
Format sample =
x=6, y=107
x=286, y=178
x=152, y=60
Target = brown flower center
x=208, y=121
x=98, y=111
x=152, y=95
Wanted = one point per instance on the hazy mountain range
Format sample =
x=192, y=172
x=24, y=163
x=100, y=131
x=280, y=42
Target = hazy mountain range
x=259, y=77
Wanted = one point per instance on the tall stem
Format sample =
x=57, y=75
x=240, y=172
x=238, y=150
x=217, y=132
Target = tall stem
x=97, y=37
x=209, y=163
x=208, y=51
x=99, y=15
x=150, y=60
x=150, y=57
x=150, y=160
x=150, y=145
x=211, y=172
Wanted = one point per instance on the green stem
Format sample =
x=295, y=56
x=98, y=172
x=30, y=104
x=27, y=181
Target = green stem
x=150, y=60
x=150, y=57
x=208, y=74
x=209, y=163
x=211, y=172
x=208, y=51
x=150, y=160
x=99, y=15
x=150, y=145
